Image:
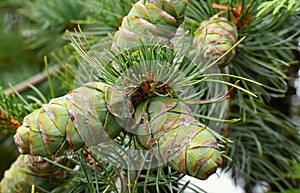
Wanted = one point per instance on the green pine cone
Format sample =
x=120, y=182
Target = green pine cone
x=67, y=123
x=150, y=19
x=215, y=37
x=168, y=127
x=31, y=170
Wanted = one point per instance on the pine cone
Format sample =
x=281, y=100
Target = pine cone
x=150, y=19
x=168, y=127
x=31, y=170
x=215, y=37
x=67, y=123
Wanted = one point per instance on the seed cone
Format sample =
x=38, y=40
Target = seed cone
x=67, y=123
x=31, y=170
x=215, y=37
x=167, y=127
x=150, y=19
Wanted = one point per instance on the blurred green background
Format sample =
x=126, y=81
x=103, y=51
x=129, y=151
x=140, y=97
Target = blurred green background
x=23, y=34
x=17, y=63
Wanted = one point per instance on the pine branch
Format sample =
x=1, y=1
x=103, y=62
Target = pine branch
x=11, y=113
x=14, y=107
x=262, y=57
x=265, y=146
x=278, y=5
x=267, y=50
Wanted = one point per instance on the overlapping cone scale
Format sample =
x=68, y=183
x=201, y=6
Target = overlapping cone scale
x=30, y=170
x=213, y=38
x=167, y=126
x=148, y=19
x=67, y=123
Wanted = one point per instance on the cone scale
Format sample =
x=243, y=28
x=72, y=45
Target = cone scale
x=167, y=126
x=148, y=19
x=68, y=123
x=213, y=38
x=33, y=170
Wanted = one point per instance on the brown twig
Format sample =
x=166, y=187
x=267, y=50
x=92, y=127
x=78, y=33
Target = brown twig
x=34, y=80
x=236, y=13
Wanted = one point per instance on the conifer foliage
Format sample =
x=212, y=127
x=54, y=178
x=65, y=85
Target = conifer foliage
x=171, y=88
